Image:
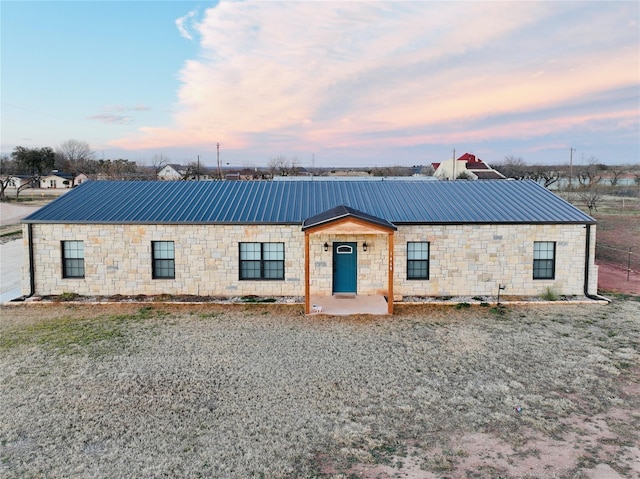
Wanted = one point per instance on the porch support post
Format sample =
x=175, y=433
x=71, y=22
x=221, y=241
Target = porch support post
x=390, y=273
x=307, y=300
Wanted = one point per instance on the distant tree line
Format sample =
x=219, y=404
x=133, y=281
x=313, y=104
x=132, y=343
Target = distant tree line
x=590, y=173
x=590, y=181
x=72, y=157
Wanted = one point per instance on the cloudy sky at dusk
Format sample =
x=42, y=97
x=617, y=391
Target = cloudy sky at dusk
x=332, y=84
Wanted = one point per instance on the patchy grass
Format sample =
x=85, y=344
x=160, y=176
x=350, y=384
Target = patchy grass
x=76, y=335
x=244, y=391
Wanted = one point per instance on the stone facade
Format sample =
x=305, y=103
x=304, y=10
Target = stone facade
x=475, y=259
x=118, y=259
x=463, y=260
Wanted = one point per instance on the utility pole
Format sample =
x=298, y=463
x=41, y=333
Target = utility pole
x=198, y=171
x=219, y=169
x=453, y=177
x=571, y=150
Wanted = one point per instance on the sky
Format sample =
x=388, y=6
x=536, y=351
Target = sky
x=324, y=83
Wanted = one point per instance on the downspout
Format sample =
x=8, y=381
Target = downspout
x=587, y=255
x=32, y=278
x=32, y=274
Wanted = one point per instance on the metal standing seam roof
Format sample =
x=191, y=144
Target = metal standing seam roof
x=292, y=202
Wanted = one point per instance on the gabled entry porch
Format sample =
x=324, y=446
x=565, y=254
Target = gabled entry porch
x=348, y=254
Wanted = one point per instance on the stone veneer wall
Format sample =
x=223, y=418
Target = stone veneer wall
x=464, y=260
x=474, y=259
x=118, y=259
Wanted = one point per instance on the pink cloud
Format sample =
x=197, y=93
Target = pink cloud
x=354, y=74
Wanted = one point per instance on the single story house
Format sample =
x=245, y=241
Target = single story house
x=304, y=238
x=56, y=179
x=19, y=181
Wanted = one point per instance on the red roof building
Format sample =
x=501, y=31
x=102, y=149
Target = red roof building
x=466, y=165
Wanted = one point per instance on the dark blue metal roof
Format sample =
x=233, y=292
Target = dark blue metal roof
x=291, y=202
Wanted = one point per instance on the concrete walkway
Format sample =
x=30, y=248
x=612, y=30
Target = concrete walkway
x=12, y=252
x=342, y=305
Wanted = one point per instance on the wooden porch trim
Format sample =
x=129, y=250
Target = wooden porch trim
x=390, y=274
x=307, y=270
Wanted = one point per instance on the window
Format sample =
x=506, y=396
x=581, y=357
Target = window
x=164, y=260
x=544, y=259
x=261, y=260
x=418, y=260
x=73, y=259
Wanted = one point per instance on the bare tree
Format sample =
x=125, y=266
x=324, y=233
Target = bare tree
x=513, y=167
x=157, y=163
x=194, y=170
x=283, y=166
x=591, y=173
x=546, y=173
x=591, y=197
x=74, y=157
x=615, y=173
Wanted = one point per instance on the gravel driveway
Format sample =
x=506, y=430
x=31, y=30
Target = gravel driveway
x=240, y=391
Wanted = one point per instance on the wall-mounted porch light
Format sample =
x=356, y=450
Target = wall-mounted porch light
x=365, y=246
x=326, y=246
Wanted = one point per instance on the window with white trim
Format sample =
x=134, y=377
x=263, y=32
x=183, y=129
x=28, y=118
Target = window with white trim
x=164, y=260
x=544, y=259
x=262, y=261
x=418, y=260
x=73, y=259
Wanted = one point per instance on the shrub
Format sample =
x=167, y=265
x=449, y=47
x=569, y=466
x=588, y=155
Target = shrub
x=549, y=294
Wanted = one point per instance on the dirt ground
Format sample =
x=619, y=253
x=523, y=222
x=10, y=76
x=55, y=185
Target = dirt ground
x=241, y=391
x=614, y=278
x=618, y=231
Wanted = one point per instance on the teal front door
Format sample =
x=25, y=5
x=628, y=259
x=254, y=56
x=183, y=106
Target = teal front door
x=344, y=267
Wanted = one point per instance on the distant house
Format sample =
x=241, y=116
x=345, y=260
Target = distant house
x=19, y=181
x=172, y=172
x=311, y=238
x=181, y=172
x=81, y=178
x=467, y=165
x=56, y=179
